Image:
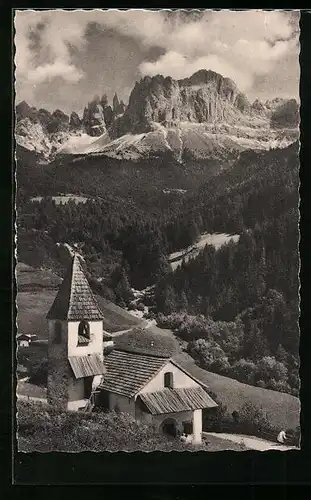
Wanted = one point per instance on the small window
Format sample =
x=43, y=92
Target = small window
x=57, y=333
x=83, y=333
x=168, y=380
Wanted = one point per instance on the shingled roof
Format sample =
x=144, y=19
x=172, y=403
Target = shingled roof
x=75, y=300
x=175, y=400
x=127, y=373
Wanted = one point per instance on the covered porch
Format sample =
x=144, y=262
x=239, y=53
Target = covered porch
x=176, y=412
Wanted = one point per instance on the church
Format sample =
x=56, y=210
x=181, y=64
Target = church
x=139, y=376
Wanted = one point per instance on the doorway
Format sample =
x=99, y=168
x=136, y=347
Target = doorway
x=88, y=381
x=170, y=427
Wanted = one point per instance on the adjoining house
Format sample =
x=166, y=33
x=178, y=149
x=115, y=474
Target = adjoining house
x=139, y=376
x=143, y=379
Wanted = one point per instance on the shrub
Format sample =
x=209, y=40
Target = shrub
x=244, y=371
x=279, y=385
x=214, y=419
x=253, y=420
x=38, y=371
x=209, y=355
x=269, y=368
x=43, y=428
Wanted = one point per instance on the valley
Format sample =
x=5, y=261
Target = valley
x=156, y=168
x=183, y=206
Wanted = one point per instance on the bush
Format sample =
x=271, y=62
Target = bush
x=279, y=385
x=244, y=371
x=252, y=420
x=214, y=419
x=269, y=368
x=209, y=355
x=43, y=428
x=38, y=371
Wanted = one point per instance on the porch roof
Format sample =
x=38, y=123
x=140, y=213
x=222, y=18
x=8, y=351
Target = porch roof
x=176, y=400
x=86, y=366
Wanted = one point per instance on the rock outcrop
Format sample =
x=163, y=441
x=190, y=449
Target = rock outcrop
x=205, y=97
x=204, y=116
x=286, y=115
x=93, y=118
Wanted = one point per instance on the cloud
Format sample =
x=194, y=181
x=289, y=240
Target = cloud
x=58, y=69
x=178, y=66
x=239, y=44
x=55, y=35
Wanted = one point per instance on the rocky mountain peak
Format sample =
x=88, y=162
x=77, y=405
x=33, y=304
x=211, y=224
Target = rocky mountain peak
x=202, y=116
x=205, y=97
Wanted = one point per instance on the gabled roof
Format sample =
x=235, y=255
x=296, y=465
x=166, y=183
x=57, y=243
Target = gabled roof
x=175, y=400
x=75, y=300
x=127, y=372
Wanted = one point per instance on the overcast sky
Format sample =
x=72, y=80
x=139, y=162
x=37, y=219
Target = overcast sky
x=64, y=58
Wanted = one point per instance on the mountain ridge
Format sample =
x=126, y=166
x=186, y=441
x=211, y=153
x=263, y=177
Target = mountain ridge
x=200, y=117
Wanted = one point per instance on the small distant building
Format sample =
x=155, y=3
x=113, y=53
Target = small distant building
x=25, y=339
x=75, y=342
x=149, y=384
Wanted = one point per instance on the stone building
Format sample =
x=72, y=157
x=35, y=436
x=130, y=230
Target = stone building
x=139, y=376
x=75, y=342
x=143, y=379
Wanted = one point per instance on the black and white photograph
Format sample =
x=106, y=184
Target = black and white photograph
x=157, y=230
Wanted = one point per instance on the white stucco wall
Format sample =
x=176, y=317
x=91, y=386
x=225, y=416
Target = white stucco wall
x=180, y=379
x=61, y=380
x=197, y=426
x=96, y=381
x=96, y=339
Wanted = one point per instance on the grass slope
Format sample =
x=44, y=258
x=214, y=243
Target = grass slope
x=37, y=290
x=283, y=410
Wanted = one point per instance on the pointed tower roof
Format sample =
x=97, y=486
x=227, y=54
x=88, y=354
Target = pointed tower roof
x=75, y=300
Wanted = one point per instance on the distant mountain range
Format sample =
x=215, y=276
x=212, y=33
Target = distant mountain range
x=204, y=117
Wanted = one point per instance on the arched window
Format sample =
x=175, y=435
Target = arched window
x=83, y=333
x=168, y=380
x=57, y=333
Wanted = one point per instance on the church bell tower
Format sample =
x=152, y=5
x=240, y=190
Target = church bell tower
x=75, y=342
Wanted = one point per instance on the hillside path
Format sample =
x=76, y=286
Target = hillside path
x=251, y=442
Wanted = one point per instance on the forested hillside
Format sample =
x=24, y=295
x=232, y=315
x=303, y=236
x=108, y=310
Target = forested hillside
x=127, y=229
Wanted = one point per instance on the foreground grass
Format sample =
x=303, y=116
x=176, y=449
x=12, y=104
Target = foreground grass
x=42, y=428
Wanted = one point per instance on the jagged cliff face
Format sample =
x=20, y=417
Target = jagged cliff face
x=204, y=116
x=44, y=132
x=206, y=97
